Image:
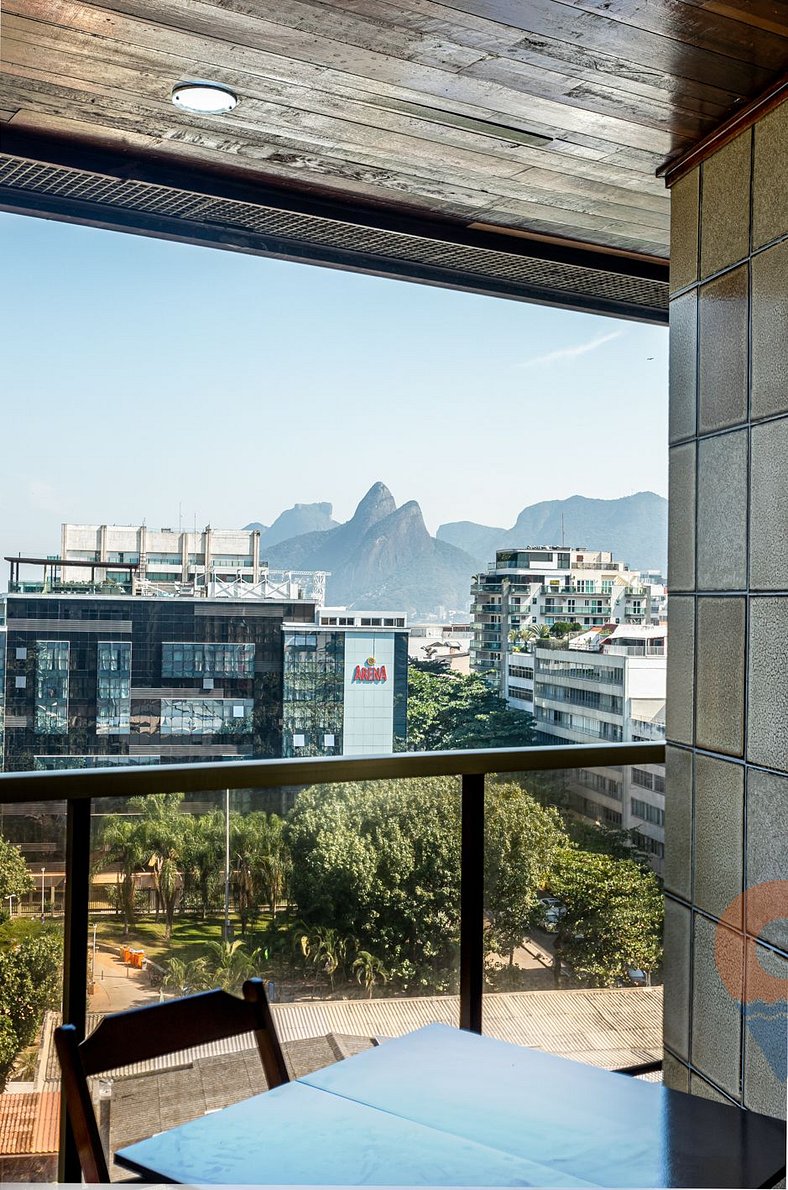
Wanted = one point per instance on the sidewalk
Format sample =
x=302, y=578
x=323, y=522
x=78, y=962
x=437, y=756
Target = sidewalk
x=117, y=987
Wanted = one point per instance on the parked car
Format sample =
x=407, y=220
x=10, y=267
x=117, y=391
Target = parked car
x=553, y=910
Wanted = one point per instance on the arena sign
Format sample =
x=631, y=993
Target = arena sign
x=369, y=672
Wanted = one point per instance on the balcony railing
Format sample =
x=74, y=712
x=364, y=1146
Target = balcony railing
x=78, y=788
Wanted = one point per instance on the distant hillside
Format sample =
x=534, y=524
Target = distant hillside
x=382, y=558
x=301, y=518
x=635, y=528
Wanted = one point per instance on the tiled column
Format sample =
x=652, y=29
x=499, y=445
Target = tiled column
x=727, y=713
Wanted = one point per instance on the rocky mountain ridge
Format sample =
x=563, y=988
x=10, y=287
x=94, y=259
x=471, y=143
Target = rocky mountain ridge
x=384, y=558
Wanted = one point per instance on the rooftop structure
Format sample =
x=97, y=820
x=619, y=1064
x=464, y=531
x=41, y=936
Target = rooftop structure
x=136, y=560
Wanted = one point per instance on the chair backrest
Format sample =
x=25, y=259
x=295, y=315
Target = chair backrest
x=151, y=1032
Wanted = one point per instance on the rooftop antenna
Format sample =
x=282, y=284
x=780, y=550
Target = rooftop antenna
x=562, y=531
x=180, y=517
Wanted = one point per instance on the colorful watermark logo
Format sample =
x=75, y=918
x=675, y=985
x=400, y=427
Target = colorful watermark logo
x=762, y=993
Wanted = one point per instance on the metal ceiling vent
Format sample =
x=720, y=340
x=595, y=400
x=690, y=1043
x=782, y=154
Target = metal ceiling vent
x=126, y=204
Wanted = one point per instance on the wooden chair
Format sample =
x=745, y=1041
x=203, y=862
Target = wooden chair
x=152, y=1032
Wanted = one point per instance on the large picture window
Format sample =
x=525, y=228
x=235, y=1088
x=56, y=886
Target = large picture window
x=52, y=687
x=113, y=688
x=188, y=660
x=206, y=716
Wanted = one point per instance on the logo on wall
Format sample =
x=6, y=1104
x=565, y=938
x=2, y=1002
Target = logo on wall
x=369, y=672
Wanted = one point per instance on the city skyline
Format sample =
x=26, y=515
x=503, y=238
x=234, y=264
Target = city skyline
x=132, y=377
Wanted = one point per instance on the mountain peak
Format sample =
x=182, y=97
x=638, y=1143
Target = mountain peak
x=377, y=504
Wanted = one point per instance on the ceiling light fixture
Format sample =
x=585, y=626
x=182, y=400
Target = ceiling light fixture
x=204, y=98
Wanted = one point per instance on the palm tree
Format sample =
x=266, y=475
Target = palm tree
x=183, y=976
x=203, y=858
x=368, y=970
x=228, y=964
x=123, y=844
x=161, y=829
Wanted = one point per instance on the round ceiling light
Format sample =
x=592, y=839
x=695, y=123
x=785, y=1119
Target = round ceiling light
x=207, y=99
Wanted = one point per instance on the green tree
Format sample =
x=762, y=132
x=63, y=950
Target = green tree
x=520, y=638
x=228, y=964
x=522, y=840
x=150, y=838
x=183, y=976
x=122, y=844
x=614, y=916
x=202, y=848
x=161, y=829
x=456, y=710
x=379, y=862
x=30, y=979
x=368, y=970
x=15, y=880
x=276, y=863
x=260, y=861
x=562, y=628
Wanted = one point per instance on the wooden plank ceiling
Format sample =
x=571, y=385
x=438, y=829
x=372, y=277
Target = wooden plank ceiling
x=377, y=103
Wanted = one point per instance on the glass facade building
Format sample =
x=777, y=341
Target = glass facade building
x=345, y=687
x=92, y=681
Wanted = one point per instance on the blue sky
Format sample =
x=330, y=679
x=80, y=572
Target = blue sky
x=144, y=375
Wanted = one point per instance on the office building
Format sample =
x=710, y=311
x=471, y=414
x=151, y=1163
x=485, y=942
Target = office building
x=345, y=684
x=608, y=688
x=101, y=679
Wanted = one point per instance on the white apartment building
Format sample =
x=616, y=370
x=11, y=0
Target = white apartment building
x=209, y=561
x=607, y=688
x=542, y=586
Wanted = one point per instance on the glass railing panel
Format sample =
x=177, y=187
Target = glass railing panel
x=573, y=912
x=32, y=888
x=344, y=899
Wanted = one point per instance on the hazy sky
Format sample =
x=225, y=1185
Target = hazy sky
x=140, y=375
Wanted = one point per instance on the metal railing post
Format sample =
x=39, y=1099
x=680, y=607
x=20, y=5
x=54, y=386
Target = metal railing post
x=472, y=903
x=75, y=958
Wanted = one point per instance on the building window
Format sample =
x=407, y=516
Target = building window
x=52, y=687
x=646, y=780
x=186, y=660
x=646, y=812
x=597, y=781
x=649, y=845
x=206, y=716
x=113, y=688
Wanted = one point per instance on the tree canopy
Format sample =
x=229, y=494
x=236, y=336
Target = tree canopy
x=15, y=880
x=522, y=842
x=380, y=862
x=29, y=983
x=614, y=915
x=454, y=710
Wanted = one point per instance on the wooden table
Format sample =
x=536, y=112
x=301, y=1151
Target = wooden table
x=443, y=1107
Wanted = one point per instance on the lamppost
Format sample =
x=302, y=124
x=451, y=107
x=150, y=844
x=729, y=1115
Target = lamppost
x=43, y=873
x=227, y=865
